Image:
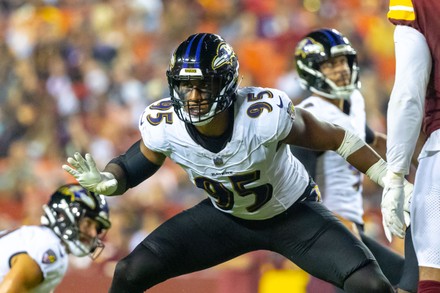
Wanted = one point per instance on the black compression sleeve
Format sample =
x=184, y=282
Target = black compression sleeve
x=136, y=166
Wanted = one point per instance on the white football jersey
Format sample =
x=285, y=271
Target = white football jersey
x=43, y=246
x=252, y=177
x=339, y=182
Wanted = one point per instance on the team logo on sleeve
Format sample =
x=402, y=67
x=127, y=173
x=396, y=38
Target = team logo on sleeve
x=291, y=110
x=49, y=257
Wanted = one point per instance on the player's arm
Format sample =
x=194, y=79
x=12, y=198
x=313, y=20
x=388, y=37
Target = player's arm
x=309, y=132
x=135, y=166
x=405, y=108
x=25, y=274
x=378, y=141
x=123, y=172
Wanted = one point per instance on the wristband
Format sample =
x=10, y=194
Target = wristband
x=377, y=172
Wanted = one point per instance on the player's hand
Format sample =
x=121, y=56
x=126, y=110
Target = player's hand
x=392, y=206
x=85, y=172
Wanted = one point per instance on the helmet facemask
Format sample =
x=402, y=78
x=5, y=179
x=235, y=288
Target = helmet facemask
x=216, y=96
x=206, y=63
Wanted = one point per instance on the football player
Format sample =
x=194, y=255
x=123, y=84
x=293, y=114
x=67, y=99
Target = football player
x=233, y=144
x=34, y=258
x=414, y=105
x=327, y=66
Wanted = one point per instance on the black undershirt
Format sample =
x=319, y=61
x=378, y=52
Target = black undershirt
x=213, y=144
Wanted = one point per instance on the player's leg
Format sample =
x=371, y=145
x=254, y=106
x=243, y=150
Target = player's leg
x=368, y=278
x=410, y=275
x=135, y=272
x=425, y=219
x=195, y=239
x=390, y=262
x=319, y=243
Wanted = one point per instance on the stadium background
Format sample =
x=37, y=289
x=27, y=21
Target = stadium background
x=75, y=76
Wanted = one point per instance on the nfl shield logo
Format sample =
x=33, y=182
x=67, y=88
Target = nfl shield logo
x=218, y=161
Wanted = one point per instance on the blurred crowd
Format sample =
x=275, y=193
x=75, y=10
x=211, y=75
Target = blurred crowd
x=75, y=75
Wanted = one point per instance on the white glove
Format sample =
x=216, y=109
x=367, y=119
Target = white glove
x=396, y=198
x=86, y=173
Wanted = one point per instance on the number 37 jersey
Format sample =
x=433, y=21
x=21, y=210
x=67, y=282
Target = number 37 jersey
x=253, y=176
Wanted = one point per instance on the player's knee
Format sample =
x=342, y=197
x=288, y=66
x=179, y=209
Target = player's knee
x=368, y=279
x=123, y=271
x=127, y=277
x=138, y=271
